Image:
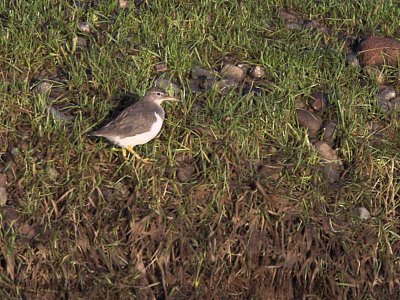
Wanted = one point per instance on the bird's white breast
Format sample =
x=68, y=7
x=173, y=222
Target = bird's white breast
x=141, y=138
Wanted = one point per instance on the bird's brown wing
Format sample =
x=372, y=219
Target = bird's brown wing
x=134, y=120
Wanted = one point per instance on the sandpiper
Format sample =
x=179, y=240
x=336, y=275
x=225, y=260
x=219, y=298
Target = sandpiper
x=138, y=123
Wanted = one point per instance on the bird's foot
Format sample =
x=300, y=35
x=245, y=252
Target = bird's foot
x=137, y=156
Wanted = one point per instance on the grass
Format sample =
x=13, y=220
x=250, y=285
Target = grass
x=81, y=221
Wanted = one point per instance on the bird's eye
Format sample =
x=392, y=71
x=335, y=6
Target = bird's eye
x=158, y=94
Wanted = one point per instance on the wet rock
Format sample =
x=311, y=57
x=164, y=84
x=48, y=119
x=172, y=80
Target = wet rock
x=319, y=101
x=352, y=60
x=387, y=93
x=377, y=51
x=160, y=68
x=257, y=72
x=201, y=73
x=310, y=121
x=375, y=74
x=84, y=27
x=363, y=213
x=232, y=72
x=185, y=173
x=168, y=85
x=42, y=87
x=3, y=196
x=329, y=130
x=332, y=165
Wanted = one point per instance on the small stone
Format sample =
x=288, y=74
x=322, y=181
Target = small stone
x=3, y=196
x=232, y=72
x=386, y=94
x=53, y=173
x=160, y=68
x=23, y=146
x=42, y=87
x=15, y=152
x=245, y=67
x=310, y=121
x=395, y=104
x=374, y=126
x=257, y=72
x=378, y=51
x=375, y=74
x=332, y=164
x=273, y=150
x=201, y=73
x=271, y=172
x=329, y=130
x=363, y=213
x=195, y=85
x=123, y=3
x=247, y=88
x=226, y=84
x=59, y=115
x=82, y=42
x=319, y=101
x=326, y=151
x=384, y=105
x=84, y=27
x=312, y=24
x=168, y=85
x=290, y=16
x=185, y=173
x=352, y=60
x=208, y=83
x=347, y=41
x=292, y=26
x=27, y=230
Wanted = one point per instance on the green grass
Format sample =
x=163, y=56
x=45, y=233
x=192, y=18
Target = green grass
x=82, y=221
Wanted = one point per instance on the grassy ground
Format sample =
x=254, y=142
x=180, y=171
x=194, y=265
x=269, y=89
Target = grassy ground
x=82, y=221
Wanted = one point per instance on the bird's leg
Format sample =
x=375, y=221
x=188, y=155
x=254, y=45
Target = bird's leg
x=130, y=149
x=137, y=156
x=124, y=152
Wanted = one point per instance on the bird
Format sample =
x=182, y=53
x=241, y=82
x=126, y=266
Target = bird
x=138, y=123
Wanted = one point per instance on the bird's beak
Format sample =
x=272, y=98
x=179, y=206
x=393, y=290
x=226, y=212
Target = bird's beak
x=172, y=99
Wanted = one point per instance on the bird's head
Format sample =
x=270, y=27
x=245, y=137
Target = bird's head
x=158, y=95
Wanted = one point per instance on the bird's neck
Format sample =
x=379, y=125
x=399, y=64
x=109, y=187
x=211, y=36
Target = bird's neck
x=158, y=109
